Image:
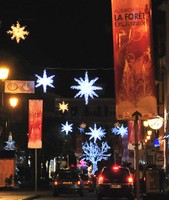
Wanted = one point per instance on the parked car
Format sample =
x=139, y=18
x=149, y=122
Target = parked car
x=68, y=182
x=88, y=182
x=115, y=181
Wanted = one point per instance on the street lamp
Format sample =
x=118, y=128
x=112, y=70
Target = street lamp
x=3, y=76
x=13, y=101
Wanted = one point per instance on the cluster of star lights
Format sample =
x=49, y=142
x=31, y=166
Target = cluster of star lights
x=17, y=32
x=120, y=130
x=86, y=88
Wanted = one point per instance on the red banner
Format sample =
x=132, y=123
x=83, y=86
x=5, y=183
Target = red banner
x=35, y=124
x=131, y=132
x=133, y=64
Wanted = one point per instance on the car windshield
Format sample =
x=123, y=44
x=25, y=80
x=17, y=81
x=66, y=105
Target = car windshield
x=68, y=176
x=116, y=176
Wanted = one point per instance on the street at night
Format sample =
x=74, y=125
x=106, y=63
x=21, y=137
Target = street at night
x=84, y=99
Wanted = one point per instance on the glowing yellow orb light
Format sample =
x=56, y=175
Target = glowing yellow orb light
x=149, y=132
x=4, y=73
x=145, y=123
x=83, y=125
x=18, y=32
x=13, y=101
x=156, y=123
x=148, y=137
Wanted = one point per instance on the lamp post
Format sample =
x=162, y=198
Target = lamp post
x=13, y=102
x=3, y=76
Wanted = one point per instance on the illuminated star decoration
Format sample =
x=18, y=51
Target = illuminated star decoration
x=120, y=130
x=44, y=81
x=86, y=88
x=63, y=107
x=66, y=128
x=82, y=127
x=18, y=32
x=96, y=133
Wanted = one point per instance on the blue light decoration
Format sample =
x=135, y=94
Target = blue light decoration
x=44, y=81
x=86, y=88
x=156, y=142
x=10, y=143
x=94, y=154
x=96, y=133
x=120, y=130
x=66, y=127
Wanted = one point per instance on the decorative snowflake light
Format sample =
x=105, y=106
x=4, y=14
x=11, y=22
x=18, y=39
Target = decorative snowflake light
x=63, y=107
x=96, y=133
x=18, y=32
x=10, y=143
x=86, y=87
x=94, y=153
x=66, y=128
x=120, y=130
x=44, y=81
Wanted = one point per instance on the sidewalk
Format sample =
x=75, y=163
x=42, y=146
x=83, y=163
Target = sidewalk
x=18, y=195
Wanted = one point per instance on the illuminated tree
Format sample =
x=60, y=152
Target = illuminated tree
x=94, y=153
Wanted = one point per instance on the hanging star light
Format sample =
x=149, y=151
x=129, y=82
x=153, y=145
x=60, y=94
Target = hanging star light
x=44, y=81
x=82, y=127
x=18, y=32
x=63, y=107
x=86, y=88
x=66, y=128
x=120, y=130
x=96, y=133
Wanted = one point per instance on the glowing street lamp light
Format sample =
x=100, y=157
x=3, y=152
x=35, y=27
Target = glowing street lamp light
x=13, y=101
x=4, y=73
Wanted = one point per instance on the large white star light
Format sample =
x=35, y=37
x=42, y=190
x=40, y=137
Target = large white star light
x=86, y=88
x=96, y=133
x=120, y=130
x=18, y=32
x=44, y=81
x=67, y=128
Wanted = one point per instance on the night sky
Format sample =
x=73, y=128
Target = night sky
x=67, y=37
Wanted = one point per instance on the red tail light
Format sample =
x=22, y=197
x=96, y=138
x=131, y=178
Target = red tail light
x=115, y=168
x=78, y=182
x=130, y=179
x=55, y=182
x=100, y=179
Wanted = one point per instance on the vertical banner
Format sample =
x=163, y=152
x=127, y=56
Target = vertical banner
x=131, y=132
x=35, y=124
x=133, y=64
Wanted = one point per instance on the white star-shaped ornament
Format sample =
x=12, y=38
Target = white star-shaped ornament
x=121, y=130
x=96, y=133
x=63, y=107
x=18, y=32
x=67, y=128
x=86, y=88
x=44, y=81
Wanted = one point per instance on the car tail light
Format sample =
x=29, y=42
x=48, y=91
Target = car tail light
x=115, y=168
x=55, y=182
x=130, y=179
x=100, y=179
x=78, y=182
